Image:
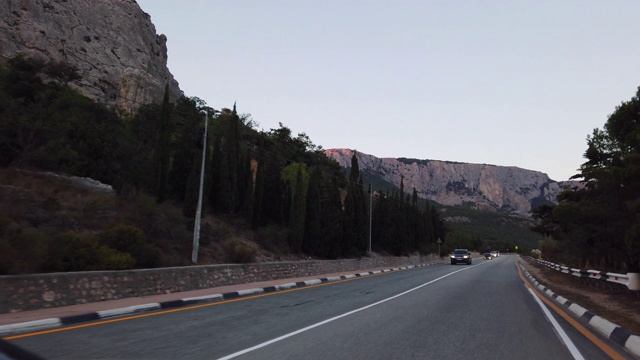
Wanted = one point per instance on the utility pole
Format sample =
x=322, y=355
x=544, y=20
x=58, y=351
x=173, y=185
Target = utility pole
x=370, y=214
x=196, y=228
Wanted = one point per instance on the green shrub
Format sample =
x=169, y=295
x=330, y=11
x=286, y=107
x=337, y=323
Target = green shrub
x=7, y=257
x=149, y=257
x=131, y=240
x=5, y=221
x=273, y=239
x=146, y=206
x=30, y=249
x=239, y=252
x=124, y=238
x=112, y=259
x=71, y=251
x=548, y=251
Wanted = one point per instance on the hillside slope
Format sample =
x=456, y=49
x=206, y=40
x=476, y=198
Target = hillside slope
x=40, y=209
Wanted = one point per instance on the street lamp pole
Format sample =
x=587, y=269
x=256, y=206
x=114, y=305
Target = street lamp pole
x=370, y=214
x=196, y=228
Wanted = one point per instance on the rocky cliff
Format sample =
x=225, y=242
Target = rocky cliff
x=509, y=189
x=121, y=60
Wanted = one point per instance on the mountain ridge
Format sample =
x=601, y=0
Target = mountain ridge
x=503, y=188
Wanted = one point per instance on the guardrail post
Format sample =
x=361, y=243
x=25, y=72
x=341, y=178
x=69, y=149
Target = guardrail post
x=634, y=281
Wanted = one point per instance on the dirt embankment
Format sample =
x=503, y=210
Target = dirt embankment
x=614, y=303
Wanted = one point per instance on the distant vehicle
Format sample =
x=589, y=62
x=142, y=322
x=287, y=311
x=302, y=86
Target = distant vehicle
x=487, y=256
x=495, y=254
x=461, y=255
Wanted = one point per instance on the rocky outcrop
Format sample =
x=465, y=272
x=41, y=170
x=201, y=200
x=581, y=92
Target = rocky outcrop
x=509, y=189
x=121, y=60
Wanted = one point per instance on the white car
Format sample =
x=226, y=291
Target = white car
x=495, y=254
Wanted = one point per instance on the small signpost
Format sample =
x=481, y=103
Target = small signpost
x=439, y=243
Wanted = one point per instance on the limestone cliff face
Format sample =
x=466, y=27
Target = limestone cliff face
x=510, y=189
x=120, y=58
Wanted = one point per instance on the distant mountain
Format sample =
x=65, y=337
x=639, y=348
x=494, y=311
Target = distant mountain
x=509, y=189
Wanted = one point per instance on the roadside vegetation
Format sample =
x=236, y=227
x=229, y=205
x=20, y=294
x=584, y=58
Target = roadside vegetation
x=268, y=195
x=598, y=226
x=265, y=192
x=490, y=230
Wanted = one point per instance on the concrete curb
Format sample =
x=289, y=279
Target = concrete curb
x=602, y=326
x=52, y=323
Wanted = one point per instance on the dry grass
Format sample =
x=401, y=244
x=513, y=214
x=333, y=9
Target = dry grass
x=36, y=205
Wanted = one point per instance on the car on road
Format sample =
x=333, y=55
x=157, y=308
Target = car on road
x=495, y=254
x=461, y=255
x=487, y=256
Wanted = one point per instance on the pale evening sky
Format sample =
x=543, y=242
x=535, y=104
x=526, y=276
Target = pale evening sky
x=511, y=83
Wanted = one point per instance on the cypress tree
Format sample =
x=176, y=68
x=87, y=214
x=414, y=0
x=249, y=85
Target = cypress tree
x=331, y=213
x=220, y=180
x=362, y=224
x=355, y=218
x=297, y=214
x=313, y=225
x=256, y=211
x=428, y=220
x=163, y=147
x=246, y=187
x=193, y=181
x=187, y=143
x=234, y=162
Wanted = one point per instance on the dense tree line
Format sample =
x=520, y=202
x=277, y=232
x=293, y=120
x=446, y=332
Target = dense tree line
x=402, y=226
x=598, y=225
x=266, y=178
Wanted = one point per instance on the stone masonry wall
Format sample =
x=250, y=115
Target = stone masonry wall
x=37, y=291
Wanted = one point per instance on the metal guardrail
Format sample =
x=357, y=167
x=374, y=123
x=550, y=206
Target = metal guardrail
x=630, y=280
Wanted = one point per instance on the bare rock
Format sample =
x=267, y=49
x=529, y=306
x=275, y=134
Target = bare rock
x=121, y=60
x=505, y=188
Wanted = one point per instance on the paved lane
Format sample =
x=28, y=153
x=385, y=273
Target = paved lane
x=441, y=312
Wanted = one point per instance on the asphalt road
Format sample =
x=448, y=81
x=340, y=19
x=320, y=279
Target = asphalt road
x=482, y=311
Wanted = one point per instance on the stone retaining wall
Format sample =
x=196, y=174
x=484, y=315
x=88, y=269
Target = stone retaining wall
x=36, y=291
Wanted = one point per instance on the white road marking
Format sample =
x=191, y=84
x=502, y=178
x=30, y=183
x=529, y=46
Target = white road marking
x=266, y=343
x=563, y=336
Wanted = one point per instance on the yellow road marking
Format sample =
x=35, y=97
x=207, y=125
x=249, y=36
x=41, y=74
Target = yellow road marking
x=191, y=307
x=593, y=338
x=584, y=331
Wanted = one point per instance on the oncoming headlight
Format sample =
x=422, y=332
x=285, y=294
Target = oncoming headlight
x=466, y=256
